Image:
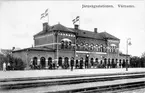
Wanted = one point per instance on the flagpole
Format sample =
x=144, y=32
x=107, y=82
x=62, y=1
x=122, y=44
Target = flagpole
x=48, y=16
x=127, y=43
x=79, y=22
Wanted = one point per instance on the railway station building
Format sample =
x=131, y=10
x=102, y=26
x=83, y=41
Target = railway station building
x=58, y=47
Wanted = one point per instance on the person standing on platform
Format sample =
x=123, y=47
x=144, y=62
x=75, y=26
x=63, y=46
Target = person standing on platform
x=4, y=66
x=81, y=63
x=72, y=63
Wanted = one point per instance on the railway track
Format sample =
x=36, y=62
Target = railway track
x=20, y=84
x=105, y=89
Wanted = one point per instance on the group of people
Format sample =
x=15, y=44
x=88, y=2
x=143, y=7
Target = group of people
x=6, y=66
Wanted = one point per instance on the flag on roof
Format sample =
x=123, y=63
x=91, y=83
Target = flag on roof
x=44, y=14
x=76, y=19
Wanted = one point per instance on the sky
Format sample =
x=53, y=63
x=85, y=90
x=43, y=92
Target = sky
x=20, y=20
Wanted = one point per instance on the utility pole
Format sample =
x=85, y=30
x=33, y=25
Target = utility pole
x=127, y=43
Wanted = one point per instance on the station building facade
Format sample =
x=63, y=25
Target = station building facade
x=58, y=46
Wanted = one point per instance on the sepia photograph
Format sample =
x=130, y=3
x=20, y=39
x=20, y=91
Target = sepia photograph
x=63, y=46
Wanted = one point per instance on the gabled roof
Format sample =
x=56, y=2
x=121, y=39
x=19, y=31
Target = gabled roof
x=60, y=28
x=41, y=33
x=106, y=35
x=80, y=32
x=57, y=27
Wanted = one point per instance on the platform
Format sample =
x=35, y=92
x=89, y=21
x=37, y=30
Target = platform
x=64, y=72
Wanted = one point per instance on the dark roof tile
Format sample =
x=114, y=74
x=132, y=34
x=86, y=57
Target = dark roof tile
x=86, y=33
x=106, y=35
x=57, y=27
x=80, y=32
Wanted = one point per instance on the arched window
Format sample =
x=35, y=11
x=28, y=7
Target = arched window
x=50, y=62
x=113, y=47
x=112, y=63
x=109, y=49
x=92, y=62
x=101, y=48
x=96, y=47
x=82, y=43
x=96, y=60
x=105, y=61
x=105, y=49
x=66, y=44
x=66, y=64
x=34, y=61
x=60, y=61
x=92, y=47
x=42, y=62
x=82, y=46
x=116, y=60
x=109, y=61
x=86, y=46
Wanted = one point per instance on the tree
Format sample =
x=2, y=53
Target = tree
x=135, y=61
x=15, y=63
x=143, y=55
x=143, y=59
x=2, y=59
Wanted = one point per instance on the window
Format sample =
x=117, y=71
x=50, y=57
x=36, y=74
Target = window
x=62, y=44
x=66, y=44
x=101, y=48
x=82, y=45
x=70, y=44
x=92, y=47
x=86, y=46
x=96, y=47
x=105, y=49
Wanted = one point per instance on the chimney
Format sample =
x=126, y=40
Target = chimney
x=95, y=30
x=13, y=48
x=45, y=26
x=76, y=27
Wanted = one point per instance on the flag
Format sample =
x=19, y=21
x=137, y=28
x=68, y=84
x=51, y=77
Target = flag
x=76, y=19
x=44, y=14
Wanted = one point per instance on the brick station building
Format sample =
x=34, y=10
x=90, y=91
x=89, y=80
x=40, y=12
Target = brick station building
x=58, y=47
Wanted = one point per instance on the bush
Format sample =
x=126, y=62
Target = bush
x=15, y=63
x=18, y=64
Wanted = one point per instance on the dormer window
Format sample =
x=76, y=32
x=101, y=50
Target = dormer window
x=66, y=43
